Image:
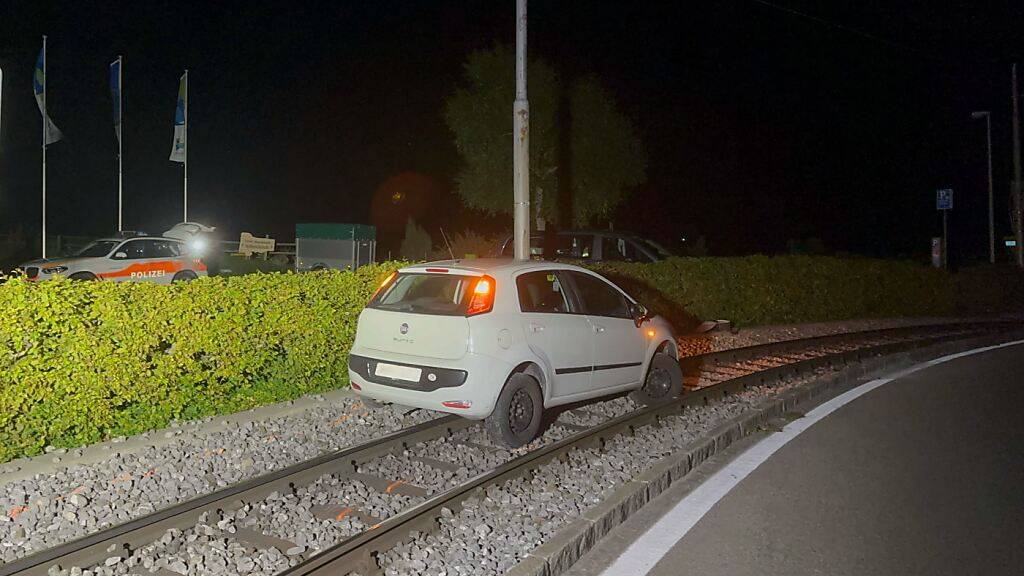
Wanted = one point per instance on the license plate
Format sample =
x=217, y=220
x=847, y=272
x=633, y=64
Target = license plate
x=407, y=373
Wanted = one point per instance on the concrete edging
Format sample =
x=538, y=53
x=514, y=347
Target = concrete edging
x=577, y=538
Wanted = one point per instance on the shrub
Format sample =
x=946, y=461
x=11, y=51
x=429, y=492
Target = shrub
x=785, y=289
x=84, y=361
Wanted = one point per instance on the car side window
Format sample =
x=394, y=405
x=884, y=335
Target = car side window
x=599, y=298
x=541, y=292
x=161, y=249
x=134, y=249
x=617, y=249
x=579, y=246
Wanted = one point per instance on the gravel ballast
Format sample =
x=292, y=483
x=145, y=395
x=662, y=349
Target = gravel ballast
x=492, y=533
x=49, y=509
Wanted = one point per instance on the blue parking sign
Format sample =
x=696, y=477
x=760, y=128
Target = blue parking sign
x=944, y=199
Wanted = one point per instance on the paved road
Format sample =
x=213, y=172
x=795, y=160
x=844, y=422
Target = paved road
x=924, y=475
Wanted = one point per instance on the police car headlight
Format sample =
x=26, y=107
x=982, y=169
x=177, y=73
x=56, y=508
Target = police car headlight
x=55, y=270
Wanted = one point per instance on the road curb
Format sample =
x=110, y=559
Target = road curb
x=577, y=538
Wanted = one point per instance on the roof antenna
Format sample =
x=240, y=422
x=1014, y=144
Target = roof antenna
x=446, y=243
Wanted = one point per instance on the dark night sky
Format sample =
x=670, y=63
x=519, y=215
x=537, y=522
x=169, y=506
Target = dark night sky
x=760, y=125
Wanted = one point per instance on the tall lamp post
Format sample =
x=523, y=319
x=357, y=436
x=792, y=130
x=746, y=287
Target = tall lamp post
x=987, y=115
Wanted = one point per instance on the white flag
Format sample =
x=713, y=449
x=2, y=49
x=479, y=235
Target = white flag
x=178, y=149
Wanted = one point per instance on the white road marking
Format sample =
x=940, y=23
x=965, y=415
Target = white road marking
x=649, y=548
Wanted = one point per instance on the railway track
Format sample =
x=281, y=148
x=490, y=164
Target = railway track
x=358, y=502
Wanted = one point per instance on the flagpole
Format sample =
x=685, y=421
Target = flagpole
x=186, y=147
x=120, y=137
x=45, y=126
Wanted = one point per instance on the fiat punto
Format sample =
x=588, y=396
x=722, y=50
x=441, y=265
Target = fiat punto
x=502, y=340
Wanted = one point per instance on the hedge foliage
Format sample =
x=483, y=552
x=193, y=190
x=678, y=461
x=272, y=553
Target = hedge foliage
x=786, y=289
x=84, y=361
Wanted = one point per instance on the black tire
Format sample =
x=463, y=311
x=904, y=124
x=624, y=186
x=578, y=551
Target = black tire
x=88, y=276
x=664, y=381
x=517, y=414
x=184, y=276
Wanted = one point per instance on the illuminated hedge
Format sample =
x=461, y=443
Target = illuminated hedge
x=84, y=361
x=788, y=289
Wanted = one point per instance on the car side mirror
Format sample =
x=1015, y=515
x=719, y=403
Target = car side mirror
x=120, y=256
x=639, y=313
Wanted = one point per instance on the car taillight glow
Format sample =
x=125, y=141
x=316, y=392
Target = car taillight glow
x=462, y=404
x=355, y=386
x=384, y=284
x=483, y=297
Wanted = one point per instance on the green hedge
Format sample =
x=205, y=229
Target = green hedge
x=786, y=289
x=85, y=361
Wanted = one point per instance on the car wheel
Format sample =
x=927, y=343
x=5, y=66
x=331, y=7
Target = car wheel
x=517, y=414
x=664, y=381
x=184, y=276
x=83, y=276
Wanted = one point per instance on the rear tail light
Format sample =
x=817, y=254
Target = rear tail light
x=482, y=300
x=462, y=404
x=387, y=281
x=355, y=386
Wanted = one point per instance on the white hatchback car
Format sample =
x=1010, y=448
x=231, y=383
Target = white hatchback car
x=501, y=340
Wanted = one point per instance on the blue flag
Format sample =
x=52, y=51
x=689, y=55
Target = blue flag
x=50, y=132
x=178, y=149
x=115, y=95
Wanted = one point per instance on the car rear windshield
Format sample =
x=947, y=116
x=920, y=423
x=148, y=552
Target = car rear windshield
x=98, y=249
x=437, y=294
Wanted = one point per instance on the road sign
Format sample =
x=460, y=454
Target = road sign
x=944, y=199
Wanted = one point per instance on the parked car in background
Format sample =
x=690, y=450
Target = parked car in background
x=503, y=340
x=174, y=257
x=595, y=245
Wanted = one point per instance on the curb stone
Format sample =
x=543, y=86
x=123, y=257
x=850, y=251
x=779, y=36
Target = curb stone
x=570, y=543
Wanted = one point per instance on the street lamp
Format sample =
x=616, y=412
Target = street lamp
x=987, y=115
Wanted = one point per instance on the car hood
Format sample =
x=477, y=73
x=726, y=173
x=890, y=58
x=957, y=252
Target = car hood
x=50, y=262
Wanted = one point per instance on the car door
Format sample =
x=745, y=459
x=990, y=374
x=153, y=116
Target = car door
x=163, y=260
x=618, y=345
x=554, y=332
x=119, y=265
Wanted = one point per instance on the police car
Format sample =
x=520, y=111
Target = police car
x=173, y=257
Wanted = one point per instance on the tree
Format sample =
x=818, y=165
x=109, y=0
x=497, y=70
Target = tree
x=417, y=243
x=591, y=151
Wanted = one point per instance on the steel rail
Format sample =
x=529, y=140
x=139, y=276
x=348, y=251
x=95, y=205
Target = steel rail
x=359, y=553
x=93, y=549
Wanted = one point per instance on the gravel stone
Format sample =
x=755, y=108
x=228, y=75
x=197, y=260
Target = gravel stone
x=126, y=486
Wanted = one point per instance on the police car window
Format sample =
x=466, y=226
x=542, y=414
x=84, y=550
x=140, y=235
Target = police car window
x=599, y=298
x=97, y=249
x=541, y=292
x=161, y=249
x=134, y=249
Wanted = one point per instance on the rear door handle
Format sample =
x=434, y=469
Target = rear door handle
x=598, y=328
x=536, y=327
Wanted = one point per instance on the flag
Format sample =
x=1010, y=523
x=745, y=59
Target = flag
x=50, y=132
x=115, y=95
x=181, y=122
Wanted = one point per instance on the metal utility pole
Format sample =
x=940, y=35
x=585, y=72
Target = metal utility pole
x=521, y=152
x=1016, y=186
x=46, y=131
x=987, y=115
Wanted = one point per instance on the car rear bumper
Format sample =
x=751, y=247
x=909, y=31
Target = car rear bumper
x=473, y=379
